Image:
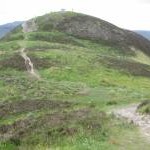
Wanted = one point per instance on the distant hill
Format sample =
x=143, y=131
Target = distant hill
x=4, y=29
x=144, y=33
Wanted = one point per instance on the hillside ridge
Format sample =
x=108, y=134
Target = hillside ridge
x=90, y=28
x=86, y=68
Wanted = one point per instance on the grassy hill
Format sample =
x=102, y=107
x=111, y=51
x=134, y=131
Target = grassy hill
x=86, y=68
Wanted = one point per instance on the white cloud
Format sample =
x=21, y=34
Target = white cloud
x=131, y=14
x=144, y=1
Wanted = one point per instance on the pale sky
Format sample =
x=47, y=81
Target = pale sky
x=129, y=14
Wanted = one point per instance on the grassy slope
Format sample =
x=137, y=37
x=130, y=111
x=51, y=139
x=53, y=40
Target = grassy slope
x=73, y=70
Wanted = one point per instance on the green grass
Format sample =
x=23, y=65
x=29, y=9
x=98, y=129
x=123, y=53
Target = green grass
x=14, y=37
x=75, y=71
x=43, y=45
x=117, y=135
x=48, y=22
x=56, y=36
x=144, y=107
x=9, y=46
x=141, y=57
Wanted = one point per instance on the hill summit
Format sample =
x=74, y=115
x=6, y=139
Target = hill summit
x=88, y=27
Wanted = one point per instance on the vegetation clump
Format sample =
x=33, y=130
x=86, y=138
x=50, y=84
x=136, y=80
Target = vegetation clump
x=144, y=107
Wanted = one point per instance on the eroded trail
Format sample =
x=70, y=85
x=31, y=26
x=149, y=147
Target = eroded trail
x=28, y=27
x=28, y=63
x=129, y=113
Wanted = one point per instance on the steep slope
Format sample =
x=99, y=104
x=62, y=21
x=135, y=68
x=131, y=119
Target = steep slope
x=4, y=29
x=84, y=72
x=88, y=27
x=28, y=62
x=92, y=28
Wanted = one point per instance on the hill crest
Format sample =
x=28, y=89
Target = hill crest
x=92, y=28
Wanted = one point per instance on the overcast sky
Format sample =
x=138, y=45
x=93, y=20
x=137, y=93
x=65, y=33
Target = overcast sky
x=129, y=14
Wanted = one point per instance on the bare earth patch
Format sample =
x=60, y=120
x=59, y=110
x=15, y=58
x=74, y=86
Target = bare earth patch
x=130, y=114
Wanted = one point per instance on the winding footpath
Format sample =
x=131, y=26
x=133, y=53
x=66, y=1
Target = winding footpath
x=28, y=63
x=142, y=121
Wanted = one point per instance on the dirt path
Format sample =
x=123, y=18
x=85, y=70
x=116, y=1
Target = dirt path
x=28, y=27
x=129, y=113
x=28, y=63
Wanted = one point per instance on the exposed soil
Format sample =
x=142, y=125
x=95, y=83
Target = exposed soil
x=29, y=26
x=29, y=64
x=130, y=114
